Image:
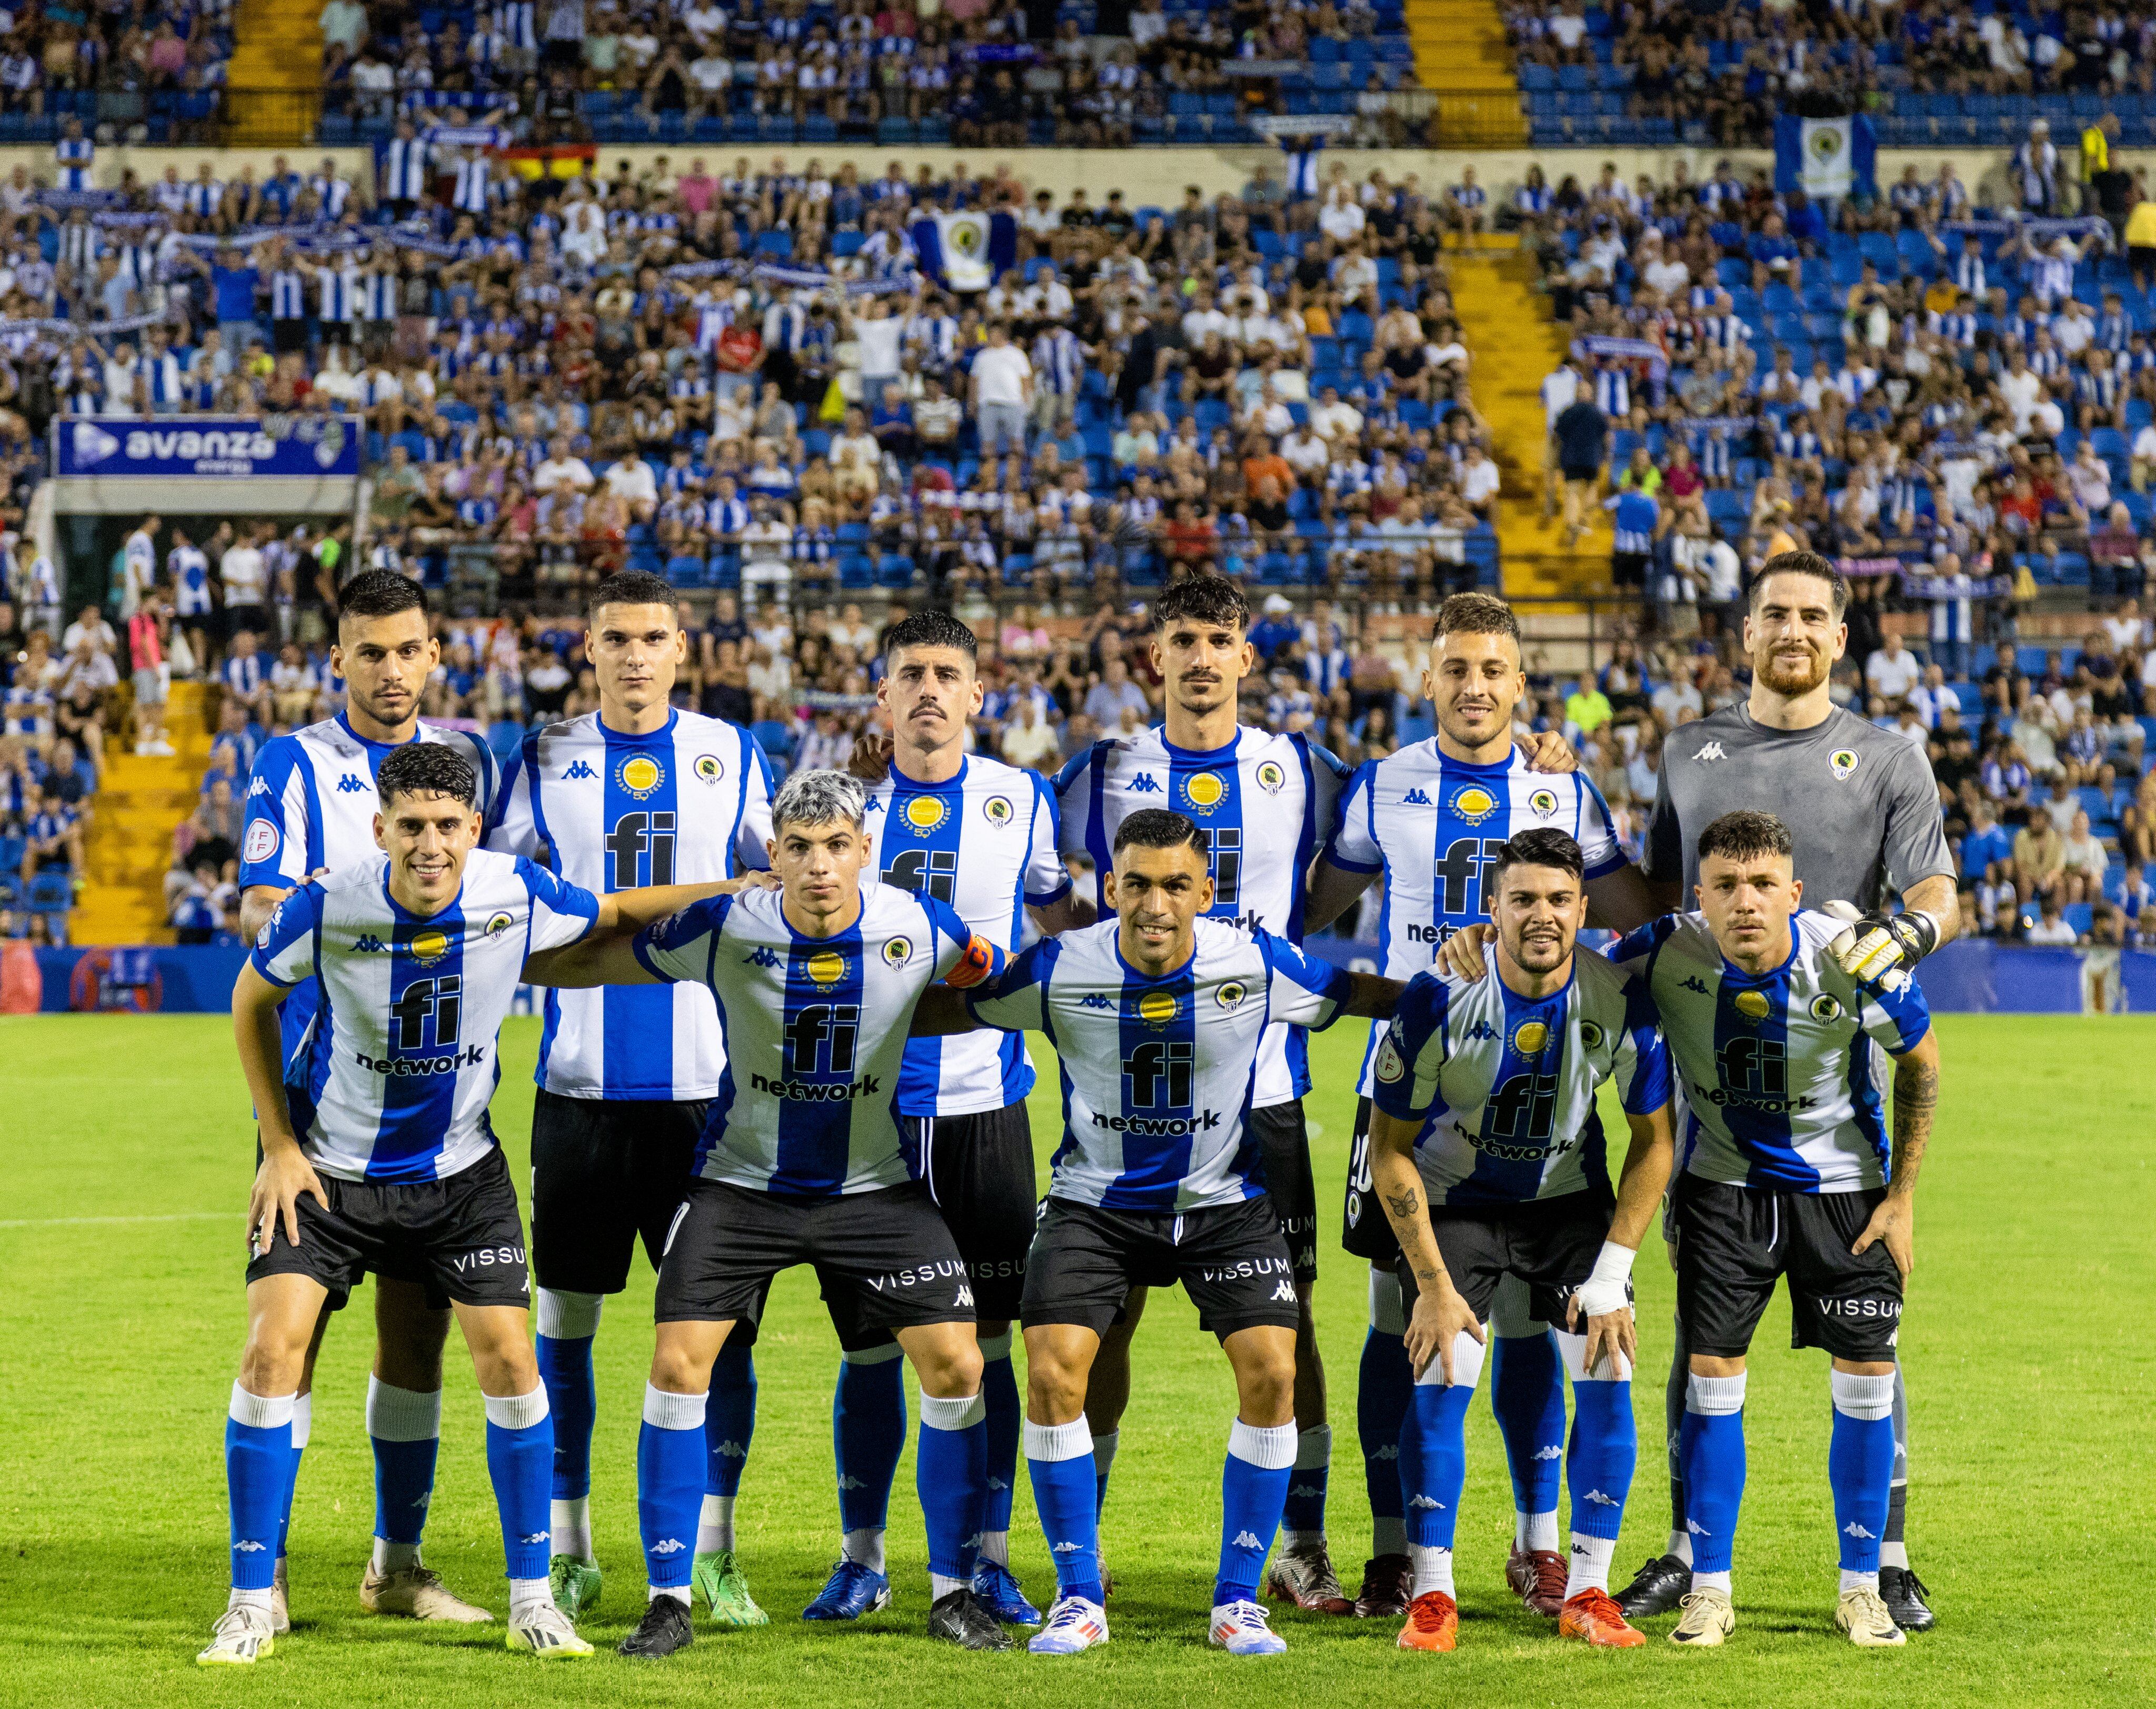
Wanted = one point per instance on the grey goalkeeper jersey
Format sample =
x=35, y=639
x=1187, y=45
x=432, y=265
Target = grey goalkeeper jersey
x=1861, y=803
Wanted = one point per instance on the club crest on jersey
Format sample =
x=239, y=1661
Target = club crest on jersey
x=429, y=947
x=1391, y=1064
x=897, y=951
x=709, y=767
x=997, y=810
x=1204, y=790
x=1158, y=1008
x=262, y=840
x=641, y=776
x=1752, y=1005
x=827, y=967
x=1590, y=1035
x=499, y=924
x=1542, y=803
x=924, y=813
x=1825, y=1008
x=1270, y=778
x=1842, y=762
x=1473, y=803
x=1530, y=1037
x=1231, y=994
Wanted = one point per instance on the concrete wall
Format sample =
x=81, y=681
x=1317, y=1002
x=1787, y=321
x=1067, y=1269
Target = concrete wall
x=1145, y=176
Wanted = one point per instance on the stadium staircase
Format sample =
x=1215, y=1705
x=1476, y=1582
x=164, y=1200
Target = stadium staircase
x=274, y=91
x=1461, y=57
x=1516, y=344
x=130, y=837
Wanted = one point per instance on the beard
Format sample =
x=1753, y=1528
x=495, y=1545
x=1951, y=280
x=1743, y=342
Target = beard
x=1792, y=676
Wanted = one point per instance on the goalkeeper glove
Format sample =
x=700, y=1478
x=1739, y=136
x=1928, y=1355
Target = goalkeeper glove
x=1880, y=948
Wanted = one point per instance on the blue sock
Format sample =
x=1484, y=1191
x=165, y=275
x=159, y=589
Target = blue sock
x=519, y=1460
x=1059, y=1459
x=303, y=1420
x=1384, y=1390
x=1605, y=1447
x=1711, y=1448
x=671, y=1461
x=1527, y=1394
x=1433, y=1461
x=565, y=1366
x=868, y=1434
x=951, y=1474
x=258, y=1463
x=730, y=1419
x=1305, y=1511
x=999, y=1391
x=1252, y=1489
x=406, y=1426
x=1860, y=1466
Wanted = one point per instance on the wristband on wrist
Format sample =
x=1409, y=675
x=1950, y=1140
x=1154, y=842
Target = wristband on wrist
x=1614, y=1263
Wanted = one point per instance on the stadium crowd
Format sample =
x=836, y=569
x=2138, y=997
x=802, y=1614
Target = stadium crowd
x=155, y=74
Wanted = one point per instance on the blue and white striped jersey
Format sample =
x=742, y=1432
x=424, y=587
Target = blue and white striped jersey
x=1433, y=826
x=984, y=844
x=1780, y=1072
x=815, y=1033
x=689, y=804
x=1504, y=1085
x=311, y=805
x=393, y=1080
x=1263, y=802
x=1160, y=1075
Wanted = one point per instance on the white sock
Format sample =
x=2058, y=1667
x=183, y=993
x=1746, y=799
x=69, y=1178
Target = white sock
x=1894, y=1555
x=939, y=1586
x=714, y=1526
x=995, y=1546
x=393, y=1558
x=1433, y=1569
x=1680, y=1545
x=1535, y=1531
x=679, y=1592
x=1710, y=1581
x=1858, y=1581
x=1590, y=1570
x=864, y=1547
x=1389, y=1536
x=250, y=1599
x=570, y=1522
x=527, y=1596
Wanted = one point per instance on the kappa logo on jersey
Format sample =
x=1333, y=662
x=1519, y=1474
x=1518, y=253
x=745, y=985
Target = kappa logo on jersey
x=1542, y=803
x=1481, y=1032
x=827, y=967
x=1270, y=778
x=1415, y=798
x=897, y=951
x=763, y=956
x=1231, y=994
x=1093, y=1000
x=1842, y=762
x=924, y=813
x=429, y=947
x=352, y=784
x=709, y=767
x=1711, y=751
x=1473, y=803
x=641, y=776
x=1145, y=784
x=367, y=943
x=580, y=772
x=1693, y=982
x=997, y=810
x=262, y=840
x=1204, y=790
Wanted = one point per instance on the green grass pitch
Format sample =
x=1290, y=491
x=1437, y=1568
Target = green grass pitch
x=128, y=1154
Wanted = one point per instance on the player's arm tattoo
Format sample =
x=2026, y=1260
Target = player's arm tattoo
x=1403, y=1204
x=1916, y=1100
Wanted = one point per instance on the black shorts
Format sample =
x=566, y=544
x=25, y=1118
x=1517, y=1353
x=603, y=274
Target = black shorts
x=1733, y=1242
x=461, y=1237
x=1629, y=569
x=604, y=1174
x=1230, y=1259
x=1364, y=1230
x=1550, y=1244
x=1283, y=1150
x=889, y=1248
x=979, y=1171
